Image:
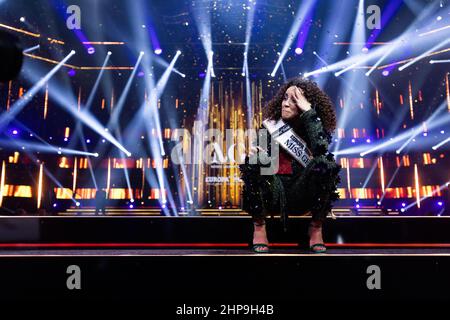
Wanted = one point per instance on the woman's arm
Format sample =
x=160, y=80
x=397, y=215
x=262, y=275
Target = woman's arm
x=316, y=137
x=252, y=178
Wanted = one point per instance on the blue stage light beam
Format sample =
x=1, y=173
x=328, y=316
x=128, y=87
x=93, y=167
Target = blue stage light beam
x=302, y=12
x=203, y=22
x=419, y=129
x=114, y=119
x=26, y=145
x=79, y=129
x=440, y=188
x=248, y=93
x=36, y=161
x=31, y=49
x=432, y=122
x=424, y=54
x=440, y=61
x=358, y=37
x=113, y=123
x=163, y=63
x=397, y=43
x=351, y=96
x=387, y=13
x=151, y=116
x=408, y=35
x=15, y=109
x=440, y=144
x=304, y=30
x=87, y=106
x=68, y=103
x=342, y=26
x=34, y=134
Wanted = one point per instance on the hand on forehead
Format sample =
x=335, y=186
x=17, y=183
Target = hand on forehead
x=292, y=90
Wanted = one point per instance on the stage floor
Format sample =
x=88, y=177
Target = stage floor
x=280, y=252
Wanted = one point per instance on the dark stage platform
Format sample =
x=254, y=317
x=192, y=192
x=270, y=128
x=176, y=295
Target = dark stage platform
x=207, y=260
x=286, y=278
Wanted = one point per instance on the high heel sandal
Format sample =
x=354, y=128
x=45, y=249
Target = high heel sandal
x=317, y=247
x=260, y=247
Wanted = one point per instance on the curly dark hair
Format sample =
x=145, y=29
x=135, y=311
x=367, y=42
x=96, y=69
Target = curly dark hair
x=319, y=100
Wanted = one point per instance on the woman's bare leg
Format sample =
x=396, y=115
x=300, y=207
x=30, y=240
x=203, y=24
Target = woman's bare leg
x=259, y=232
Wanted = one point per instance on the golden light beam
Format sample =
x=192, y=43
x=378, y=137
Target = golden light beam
x=49, y=60
x=447, y=91
x=410, y=59
x=411, y=107
x=382, y=174
x=108, y=179
x=75, y=171
x=433, y=31
x=46, y=101
x=8, y=101
x=36, y=35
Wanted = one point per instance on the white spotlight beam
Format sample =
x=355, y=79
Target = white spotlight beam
x=407, y=142
x=15, y=109
x=440, y=144
x=113, y=121
x=155, y=94
x=203, y=23
x=248, y=29
x=30, y=146
x=68, y=103
x=351, y=96
x=358, y=37
x=93, y=123
x=408, y=35
x=431, y=123
x=166, y=64
x=320, y=58
x=396, y=44
x=97, y=82
x=162, y=82
x=46, y=171
x=88, y=104
x=424, y=54
x=364, y=150
x=299, y=17
x=31, y=49
x=211, y=63
x=440, y=61
x=388, y=52
x=34, y=134
x=443, y=186
x=248, y=94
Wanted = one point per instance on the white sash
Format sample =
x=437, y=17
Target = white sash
x=286, y=137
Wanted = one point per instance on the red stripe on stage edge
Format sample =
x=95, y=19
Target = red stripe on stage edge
x=215, y=245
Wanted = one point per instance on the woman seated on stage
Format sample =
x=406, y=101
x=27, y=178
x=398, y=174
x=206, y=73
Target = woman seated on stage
x=300, y=121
